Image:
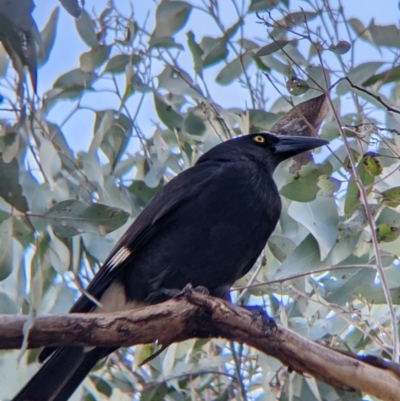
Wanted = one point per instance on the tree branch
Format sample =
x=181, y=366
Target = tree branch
x=199, y=315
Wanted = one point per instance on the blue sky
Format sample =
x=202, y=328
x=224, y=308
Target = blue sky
x=68, y=47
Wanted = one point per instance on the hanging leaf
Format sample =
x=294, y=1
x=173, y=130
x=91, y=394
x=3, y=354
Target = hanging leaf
x=214, y=50
x=167, y=114
x=234, y=69
x=197, y=53
x=170, y=18
x=86, y=29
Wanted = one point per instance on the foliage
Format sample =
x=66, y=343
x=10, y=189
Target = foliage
x=332, y=262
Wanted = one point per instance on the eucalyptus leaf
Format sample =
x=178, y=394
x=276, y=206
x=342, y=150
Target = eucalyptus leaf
x=86, y=29
x=48, y=37
x=234, y=69
x=320, y=218
x=271, y=47
x=72, y=217
x=303, y=185
x=94, y=57
x=6, y=246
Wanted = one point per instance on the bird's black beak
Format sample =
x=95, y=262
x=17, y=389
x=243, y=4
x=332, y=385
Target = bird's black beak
x=293, y=145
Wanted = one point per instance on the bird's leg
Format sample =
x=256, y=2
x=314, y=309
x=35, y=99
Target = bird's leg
x=199, y=288
x=268, y=324
x=162, y=294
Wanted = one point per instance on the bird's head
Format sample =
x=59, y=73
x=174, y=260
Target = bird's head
x=263, y=147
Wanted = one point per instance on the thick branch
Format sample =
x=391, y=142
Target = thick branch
x=198, y=315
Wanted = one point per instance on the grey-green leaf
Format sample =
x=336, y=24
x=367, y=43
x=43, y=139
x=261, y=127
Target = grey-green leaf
x=72, y=217
x=86, y=29
x=272, y=47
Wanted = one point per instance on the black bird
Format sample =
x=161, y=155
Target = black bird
x=206, y=227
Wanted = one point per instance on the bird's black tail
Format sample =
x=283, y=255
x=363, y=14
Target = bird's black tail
x=61, y=374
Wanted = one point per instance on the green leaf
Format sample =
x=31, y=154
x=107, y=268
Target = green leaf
x=327, y=185
x=298, y=17
x=117, y=137
x=372, y=164
x=142, y=191
x=72, y=7
x=281, y=246
x=342, y=47
x=167, y=114
x=48, y=37
x=353, y=193
x=261, y=5
x=118, y=63
x=102, y=125
x=387, y=233
x=73, y=217
x=6, y=246
x=374, y=294
x=387, y=76
x=165, y=43
x=94, y=58
x=10, y=188
x=214, y=50
x=303, y=187
x=360, y=29
x=303, y=259
x=194, y=124
x=234, y=69
x=272, y=47
x=390, y=197
x=171, y=16
x=59, y=254
x=296, y=86
x=86, y=29
x=320, y=218
x=342, y=286
x=197, y=53
x=385, y=35
x=357, y=221
x=261, y=121
x=155, y=393
x=358, y=75
x=7, y=305
x=75, y=78
x=178, y=82
x=50, y=161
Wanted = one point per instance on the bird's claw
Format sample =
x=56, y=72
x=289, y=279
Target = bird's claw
x=200, y=289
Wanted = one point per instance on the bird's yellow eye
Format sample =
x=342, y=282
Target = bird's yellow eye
x=259, y=139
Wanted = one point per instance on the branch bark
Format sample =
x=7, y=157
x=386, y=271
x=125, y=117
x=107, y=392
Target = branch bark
x=199, y=315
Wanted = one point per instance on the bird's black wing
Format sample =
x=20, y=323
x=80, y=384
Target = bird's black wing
x=179, y=190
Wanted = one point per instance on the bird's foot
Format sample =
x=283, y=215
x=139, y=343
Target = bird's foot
x=199, y=288
x=163, y=294
x=268, y=324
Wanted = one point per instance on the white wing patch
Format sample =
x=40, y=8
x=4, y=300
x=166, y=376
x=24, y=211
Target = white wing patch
x=119, y=257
